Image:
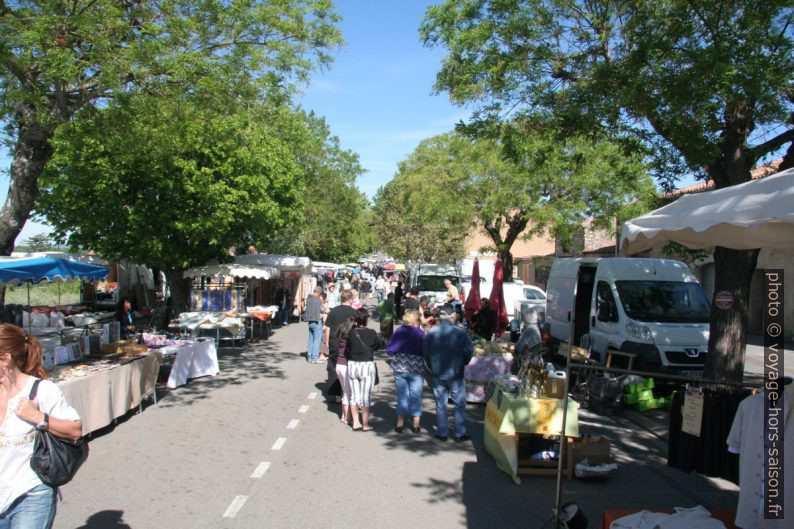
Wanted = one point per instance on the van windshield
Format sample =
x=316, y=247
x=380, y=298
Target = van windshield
x=435, y=283
x=664, y=301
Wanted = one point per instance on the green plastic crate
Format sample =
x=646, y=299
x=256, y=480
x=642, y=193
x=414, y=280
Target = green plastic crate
x=631, y=389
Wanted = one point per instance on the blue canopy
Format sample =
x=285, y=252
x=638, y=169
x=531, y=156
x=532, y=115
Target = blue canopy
x=49, y=269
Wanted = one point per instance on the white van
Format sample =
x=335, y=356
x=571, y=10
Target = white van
x=429, y=279
x=654, y=308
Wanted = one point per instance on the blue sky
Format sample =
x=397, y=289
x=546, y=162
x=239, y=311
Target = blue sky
x=376, y=96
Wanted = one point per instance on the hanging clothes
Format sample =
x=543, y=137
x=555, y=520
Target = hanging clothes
x=706, y=454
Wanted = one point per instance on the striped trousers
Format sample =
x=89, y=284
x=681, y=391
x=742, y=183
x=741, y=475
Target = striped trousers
x=362, y=379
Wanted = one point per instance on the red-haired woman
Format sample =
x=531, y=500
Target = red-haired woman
x=25, y=501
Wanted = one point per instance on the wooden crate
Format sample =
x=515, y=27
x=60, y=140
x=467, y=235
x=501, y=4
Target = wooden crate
x=532, y=467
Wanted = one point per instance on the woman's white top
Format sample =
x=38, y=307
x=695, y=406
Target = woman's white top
x=17, y=436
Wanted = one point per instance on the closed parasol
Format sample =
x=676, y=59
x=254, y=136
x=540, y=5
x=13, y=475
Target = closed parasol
x=473, y=296
x=497, y=300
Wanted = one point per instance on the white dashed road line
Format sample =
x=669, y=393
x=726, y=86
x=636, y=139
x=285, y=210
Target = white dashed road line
x=293, y=424
x=261, y=469
x=279, y=443
x=303, y=409
x=312, y=395
x=235, y=506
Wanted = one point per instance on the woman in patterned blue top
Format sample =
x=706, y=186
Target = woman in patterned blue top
x=405, y=347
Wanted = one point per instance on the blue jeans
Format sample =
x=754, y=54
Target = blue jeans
x=33, y=510
x=315, y=339
x=442, y=389
x=409, y=393
x=283, y=316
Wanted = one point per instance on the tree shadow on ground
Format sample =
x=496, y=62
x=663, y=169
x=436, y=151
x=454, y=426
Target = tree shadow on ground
x=491, y=498
x=642, y=481
x=237, y=366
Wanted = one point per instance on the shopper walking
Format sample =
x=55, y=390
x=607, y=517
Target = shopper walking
x=282, y=300
x=398, y=299
x=333, y=295
x=405, y=347
x=336, y=316
x=380, y=288
x=362, y=343
x=387, y=315
x=340, y=334
x=447, y=349
x=313, y=315
x=26, y=502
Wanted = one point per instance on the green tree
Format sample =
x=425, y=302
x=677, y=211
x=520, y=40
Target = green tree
x=534, y=180
x=420, y=214
x=526, y=184
x=178, y=185
x=38, y=243
x=335, y=221
x=59, y=57
x=708, y=84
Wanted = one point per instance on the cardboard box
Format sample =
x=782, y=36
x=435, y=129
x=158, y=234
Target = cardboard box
x=116, y=347
x=554, y=388
x=595, y=449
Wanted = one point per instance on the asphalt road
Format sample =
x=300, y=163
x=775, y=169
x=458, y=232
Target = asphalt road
x=257, y=447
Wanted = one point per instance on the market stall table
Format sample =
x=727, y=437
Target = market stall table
x=511, y=420
x=726, y=516
x=192, y=360
x=106, y=390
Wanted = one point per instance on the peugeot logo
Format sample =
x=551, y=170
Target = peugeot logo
x=692, y=352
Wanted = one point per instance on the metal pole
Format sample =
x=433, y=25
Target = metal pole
x=30, y=312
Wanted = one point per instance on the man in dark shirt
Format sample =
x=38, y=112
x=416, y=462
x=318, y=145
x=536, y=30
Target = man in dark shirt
x=314, y=317
x=337, y=316
x=398, y=299
x=411, y=300
x=282, y=300
x=484, y=320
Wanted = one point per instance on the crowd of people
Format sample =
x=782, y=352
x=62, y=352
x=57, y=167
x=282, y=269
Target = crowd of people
x=423, y=344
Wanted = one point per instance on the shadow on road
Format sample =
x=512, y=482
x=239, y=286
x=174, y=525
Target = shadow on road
x=238, y=365
x=105, y=520
x=491, y=498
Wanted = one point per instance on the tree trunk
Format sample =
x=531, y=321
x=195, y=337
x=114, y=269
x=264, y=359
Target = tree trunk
x=728, y=336
x=507, y=263
x=179, y=287
x=32, y=151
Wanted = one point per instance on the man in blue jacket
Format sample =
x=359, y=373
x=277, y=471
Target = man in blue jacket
x=447, y=349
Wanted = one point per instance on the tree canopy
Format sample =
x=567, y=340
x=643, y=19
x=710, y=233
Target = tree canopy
x=178, y=184
x=528, y=183
x=334, y=224
x=58, y=57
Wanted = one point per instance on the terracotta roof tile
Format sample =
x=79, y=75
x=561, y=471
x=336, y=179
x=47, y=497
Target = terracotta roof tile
x=755, y=174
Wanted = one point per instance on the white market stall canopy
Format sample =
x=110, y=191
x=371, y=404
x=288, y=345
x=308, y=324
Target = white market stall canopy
x=233, y=270
x=755, y=214
x=284, y=263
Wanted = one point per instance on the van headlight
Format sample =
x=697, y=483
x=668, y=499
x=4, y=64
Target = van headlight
x=641, y=332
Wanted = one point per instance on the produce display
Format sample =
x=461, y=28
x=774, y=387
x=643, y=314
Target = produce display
x=486, y=348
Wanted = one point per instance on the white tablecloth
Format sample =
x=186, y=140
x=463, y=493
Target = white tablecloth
x=198, y=359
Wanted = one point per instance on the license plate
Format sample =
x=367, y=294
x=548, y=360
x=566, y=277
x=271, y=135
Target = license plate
x=692, y=373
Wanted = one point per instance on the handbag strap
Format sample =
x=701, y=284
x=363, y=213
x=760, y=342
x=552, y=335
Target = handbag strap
x=34, y=389
x=366, y=347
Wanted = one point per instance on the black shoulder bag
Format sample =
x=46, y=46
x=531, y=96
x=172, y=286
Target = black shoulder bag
x=56, y=460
